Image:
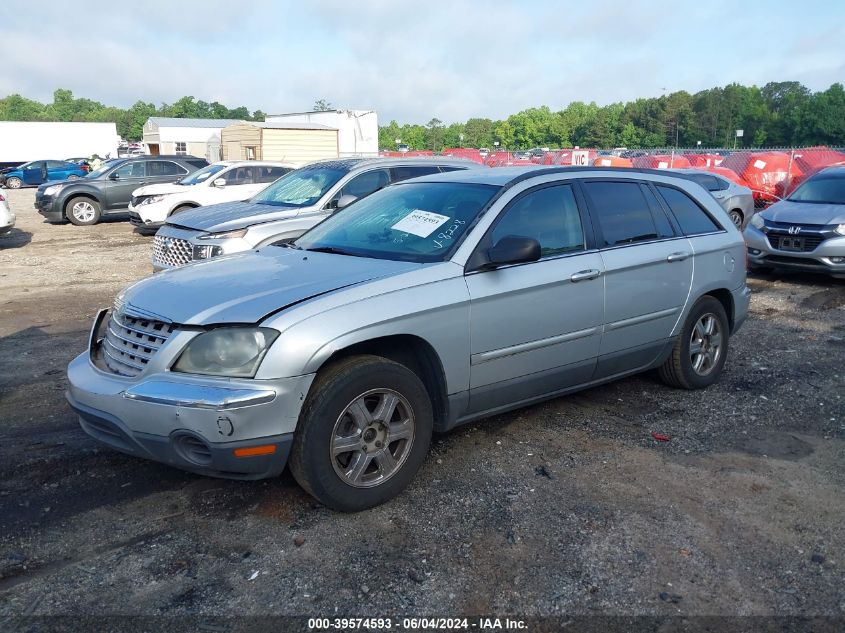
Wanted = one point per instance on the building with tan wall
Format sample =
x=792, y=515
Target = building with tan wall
x=290, y=142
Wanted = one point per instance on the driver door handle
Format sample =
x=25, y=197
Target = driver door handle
x=677, y=257
x=585, y=275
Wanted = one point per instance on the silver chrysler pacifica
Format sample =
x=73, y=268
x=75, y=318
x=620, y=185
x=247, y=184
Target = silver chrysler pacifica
x=428, y=304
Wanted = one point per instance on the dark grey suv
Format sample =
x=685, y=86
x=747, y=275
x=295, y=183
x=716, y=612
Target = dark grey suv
x=109, y=188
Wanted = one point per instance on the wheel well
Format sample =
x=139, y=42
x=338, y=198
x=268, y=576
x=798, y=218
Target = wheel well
x=74, y=196
x=184, y=205
x=417, y=355
x=726, y=299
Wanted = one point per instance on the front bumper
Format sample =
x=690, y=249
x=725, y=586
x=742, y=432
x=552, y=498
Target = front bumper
x=191, y=422
x=48, y=207
x=828, y=257
x=135, y=219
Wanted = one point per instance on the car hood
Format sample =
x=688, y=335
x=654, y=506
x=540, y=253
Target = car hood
x=230, y=216
x=161, y=189
x=789, y=212
x=246, y=287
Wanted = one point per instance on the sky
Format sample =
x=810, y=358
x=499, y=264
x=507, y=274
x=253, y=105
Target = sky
x=411, y=61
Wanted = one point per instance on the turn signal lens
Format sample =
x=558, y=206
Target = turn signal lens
x=252, y=451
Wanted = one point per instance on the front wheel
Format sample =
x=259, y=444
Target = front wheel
x=736, y=218
x=83, y=211
x=699, y=354
x=184, y=207
x=363, y=433
x=13, y=182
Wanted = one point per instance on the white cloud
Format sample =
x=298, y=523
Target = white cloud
x=410, y=61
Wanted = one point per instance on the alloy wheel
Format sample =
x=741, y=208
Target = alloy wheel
x=705, y=345
x=83, y=211
x=372, y=438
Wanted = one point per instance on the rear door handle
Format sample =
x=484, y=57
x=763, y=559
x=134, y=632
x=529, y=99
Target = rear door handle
x=585, y=275
x=677, y=257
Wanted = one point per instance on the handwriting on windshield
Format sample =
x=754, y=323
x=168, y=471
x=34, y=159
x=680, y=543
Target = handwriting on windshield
x=445, y=236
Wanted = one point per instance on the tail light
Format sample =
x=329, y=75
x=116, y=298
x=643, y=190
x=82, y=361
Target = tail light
x=2, y=199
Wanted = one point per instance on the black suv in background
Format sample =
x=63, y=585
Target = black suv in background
x=109, y=188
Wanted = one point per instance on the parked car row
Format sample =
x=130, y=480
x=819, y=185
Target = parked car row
x=335, y=315
x=39, y=171
x=108, y=190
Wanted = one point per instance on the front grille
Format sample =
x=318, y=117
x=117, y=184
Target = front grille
x=130, y=342
x=169, y=252
x=810, y=243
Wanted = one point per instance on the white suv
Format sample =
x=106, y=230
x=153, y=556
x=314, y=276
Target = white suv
x=226, y=181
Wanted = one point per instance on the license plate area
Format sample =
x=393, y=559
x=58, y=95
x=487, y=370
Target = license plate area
x=791, y=244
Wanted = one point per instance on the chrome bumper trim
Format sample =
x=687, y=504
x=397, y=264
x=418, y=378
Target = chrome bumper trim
x=197, y=396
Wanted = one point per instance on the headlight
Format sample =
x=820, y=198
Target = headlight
x=52, y=190
x=840, y=229
x=220, y=236
x=757, y=221
x=228, y=351
x=152, y=199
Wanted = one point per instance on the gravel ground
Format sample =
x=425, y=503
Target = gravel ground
x=569, y=507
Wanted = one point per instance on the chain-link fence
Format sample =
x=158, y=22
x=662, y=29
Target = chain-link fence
x=771, y=174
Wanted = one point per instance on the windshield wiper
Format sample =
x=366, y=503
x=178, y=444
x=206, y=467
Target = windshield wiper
x=333, y=250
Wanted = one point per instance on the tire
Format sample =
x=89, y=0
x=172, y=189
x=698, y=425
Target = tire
x=737, y=218
x=13, y=182
x=681, y=369
x=82, y=211
x=184, y=207
x=339, y=413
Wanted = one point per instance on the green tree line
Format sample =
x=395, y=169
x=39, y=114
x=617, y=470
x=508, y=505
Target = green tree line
x=778, y=114
x=130, y=121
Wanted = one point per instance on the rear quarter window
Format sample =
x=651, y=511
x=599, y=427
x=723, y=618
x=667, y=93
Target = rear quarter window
x=690, y=216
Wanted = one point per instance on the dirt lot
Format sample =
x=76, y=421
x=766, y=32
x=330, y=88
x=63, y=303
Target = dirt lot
x=570, y=507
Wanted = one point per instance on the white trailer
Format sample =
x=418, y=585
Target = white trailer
x=23, y=141
x=357, y=130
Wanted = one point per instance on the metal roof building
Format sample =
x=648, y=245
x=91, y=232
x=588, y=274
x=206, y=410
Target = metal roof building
x=194, y=137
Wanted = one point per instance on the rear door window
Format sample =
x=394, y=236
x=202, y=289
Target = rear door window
x=691, y=217
x=269, y=173
x=621, y=211
x=164, y=168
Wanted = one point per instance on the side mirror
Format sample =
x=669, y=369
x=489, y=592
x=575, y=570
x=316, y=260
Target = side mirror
x=114, y=176
x=219, y=182
x=513, y=249
x=345, y=201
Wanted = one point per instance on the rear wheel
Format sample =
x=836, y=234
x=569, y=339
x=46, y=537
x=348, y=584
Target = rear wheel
x=699, y=354
x=83, y=211
x=363, y=433
x=13, y=182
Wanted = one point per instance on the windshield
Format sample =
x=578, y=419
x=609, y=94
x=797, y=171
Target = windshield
x=200, y=175
x=821, y=189
x=104, y=167
x=417, y=222
x=301, y=187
